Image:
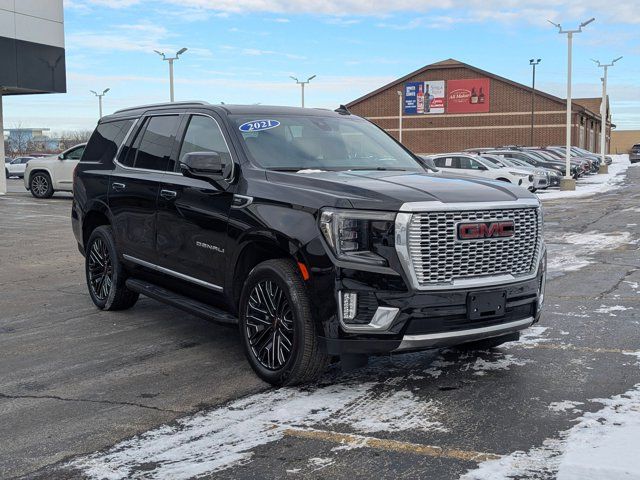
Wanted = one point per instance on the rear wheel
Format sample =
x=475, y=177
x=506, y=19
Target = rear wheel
x=40, y=185
x=6, y=173
x=105, y=273
x=277, y=327
x=503, y=180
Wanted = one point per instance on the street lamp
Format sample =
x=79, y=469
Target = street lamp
x=170, y=60
x=533, y=63
x=399, y=116
x=302, y=84
x=100, y=95
x=567, y=183
x=603, y=113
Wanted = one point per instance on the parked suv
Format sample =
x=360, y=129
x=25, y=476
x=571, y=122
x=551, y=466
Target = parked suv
x=312, y=230
x=47, y=175
x=16, y=167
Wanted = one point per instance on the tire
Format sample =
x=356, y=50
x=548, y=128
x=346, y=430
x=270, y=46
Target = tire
x=275, y=311
x=489, y=343
x=503, y=180
x=40, y=185
x=6, y=173
x=105, y=273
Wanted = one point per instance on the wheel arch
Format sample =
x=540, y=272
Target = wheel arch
x=253, y=250
x=97, y=214
x=40, y=170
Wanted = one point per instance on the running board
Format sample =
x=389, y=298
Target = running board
x=185, y=304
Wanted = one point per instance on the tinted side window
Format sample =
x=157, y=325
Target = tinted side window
x=75, y=154
x=445, y=162
x=105, y=140
x=156, y=144
x=204, y=135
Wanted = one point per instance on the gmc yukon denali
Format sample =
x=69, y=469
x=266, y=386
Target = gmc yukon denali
x=313, y=231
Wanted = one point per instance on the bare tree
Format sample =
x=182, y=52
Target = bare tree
x=71, y=138
x=20, y=141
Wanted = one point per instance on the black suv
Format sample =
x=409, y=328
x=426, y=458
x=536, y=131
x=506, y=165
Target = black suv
x=313, y=230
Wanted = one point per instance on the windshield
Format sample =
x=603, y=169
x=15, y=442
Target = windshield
x=300, y=142
x=494, y=161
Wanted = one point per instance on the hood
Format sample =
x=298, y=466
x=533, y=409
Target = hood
x=388, y=190
x=41, y=161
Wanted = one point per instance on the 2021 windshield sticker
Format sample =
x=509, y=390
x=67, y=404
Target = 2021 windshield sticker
x=257, y=125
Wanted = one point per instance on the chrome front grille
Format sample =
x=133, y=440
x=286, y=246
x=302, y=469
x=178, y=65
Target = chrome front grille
x=437, y=257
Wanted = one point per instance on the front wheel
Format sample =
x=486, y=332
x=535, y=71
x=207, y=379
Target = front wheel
x=105, y=274
x=277, y=328
x=40, y=185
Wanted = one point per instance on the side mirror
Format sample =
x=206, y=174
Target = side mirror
x=482, y=167
x=203, y=165
x=61, y=156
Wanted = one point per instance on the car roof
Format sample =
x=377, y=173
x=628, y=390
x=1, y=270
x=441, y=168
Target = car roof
x=224, y=109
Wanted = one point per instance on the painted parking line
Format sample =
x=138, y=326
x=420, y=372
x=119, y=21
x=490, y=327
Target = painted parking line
x=357, y=441
x=575, y=348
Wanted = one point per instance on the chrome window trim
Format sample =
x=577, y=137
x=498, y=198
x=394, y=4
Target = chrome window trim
x=403, y=220
x=126, y=139
x=420, y=341
x=233, y=161
x=179, y=275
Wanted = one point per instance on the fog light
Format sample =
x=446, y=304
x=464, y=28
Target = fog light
x=349, y=305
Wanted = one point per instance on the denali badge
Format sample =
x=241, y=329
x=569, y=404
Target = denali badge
x=209, y=247
x=482, y=230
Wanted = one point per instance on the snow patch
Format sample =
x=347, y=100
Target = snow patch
x=587, y=186
x=603, y=445
x=505, y=362
x=615, y=308
x=216, y=440
x=570, y=252
x=564, y=406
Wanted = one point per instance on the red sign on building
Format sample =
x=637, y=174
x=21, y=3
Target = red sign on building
x=468, y=96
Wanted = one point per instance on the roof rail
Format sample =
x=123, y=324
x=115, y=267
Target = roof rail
x=165, y=104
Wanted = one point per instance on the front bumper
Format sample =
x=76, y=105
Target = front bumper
x=435, y=319
x=634, y=157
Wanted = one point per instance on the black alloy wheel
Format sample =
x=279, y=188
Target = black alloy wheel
x=100, y=270
x=269, y=325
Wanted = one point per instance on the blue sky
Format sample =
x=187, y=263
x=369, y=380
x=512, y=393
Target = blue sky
x=243, y=51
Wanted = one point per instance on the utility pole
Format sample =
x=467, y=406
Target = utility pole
x=302, y=84
x=100, y=95
x=399, y=116
x=533, y=63
x=171, y=60
x=604, y=168
x=568, y=183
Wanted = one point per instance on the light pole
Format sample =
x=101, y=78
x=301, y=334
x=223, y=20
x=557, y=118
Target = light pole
x=399, y=116
x=100, y=95
x=533, y=63
x=170, y=60
x=568, y=183
x=603, y=114
x=3, y=180
x=302, y=84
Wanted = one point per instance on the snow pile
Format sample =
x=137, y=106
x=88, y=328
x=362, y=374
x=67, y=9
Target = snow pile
x=593, y=184
x=603, y=445
x=615, y=308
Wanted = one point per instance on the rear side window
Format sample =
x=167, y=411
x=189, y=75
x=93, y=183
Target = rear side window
x=154, y=144
x=105, y=140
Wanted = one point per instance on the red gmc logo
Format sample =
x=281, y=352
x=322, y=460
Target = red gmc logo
x=481, y=230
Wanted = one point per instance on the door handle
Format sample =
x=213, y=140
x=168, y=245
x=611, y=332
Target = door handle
x=118, y=187
x=168, y=194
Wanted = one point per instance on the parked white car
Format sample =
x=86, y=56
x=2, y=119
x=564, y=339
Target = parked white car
x=16, y=167
x=540, y=176
x=44, y=176
x=469, y=165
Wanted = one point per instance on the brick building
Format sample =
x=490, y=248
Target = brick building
x=449, y=106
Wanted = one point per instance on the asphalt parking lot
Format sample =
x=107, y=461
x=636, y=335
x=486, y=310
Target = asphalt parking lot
x=74, y=381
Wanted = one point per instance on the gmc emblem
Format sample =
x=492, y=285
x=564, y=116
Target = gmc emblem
x=482, y=230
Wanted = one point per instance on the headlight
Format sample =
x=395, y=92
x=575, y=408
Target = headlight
x=356, y=235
